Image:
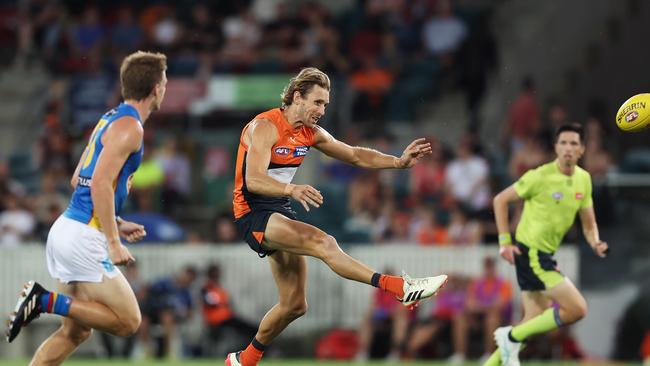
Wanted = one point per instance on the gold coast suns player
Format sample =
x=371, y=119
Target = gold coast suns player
x=83, y=245
x=272, y=147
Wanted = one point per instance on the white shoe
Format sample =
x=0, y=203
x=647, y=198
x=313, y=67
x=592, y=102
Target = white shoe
x=416, y=289
x=509, y=349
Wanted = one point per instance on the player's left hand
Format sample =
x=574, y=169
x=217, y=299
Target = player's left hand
x=413, y=153
x=131, y=232
x=600, y=248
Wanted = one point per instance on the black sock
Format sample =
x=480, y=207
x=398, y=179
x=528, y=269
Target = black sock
x=259, y=346
x=375, y=279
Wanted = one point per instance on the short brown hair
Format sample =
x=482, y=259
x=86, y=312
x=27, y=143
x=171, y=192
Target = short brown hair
x=140, y=72
x=303, y=82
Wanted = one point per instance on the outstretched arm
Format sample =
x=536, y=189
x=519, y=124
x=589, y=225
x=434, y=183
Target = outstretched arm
x=590, y=231
x=500, y=203
x=369, y=158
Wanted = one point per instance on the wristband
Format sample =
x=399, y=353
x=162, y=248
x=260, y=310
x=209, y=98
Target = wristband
x=288, y=189
x=505, y=239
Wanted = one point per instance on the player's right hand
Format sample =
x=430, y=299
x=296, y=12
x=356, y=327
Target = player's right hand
x=508, y=252
x=307, y=195
x=119, y=254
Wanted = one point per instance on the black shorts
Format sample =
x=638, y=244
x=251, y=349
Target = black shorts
x=536, y=270
x=251, y=226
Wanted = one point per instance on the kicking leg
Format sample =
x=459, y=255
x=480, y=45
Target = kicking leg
x=300, y=238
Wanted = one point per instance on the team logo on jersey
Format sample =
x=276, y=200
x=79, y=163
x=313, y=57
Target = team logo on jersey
x=558, y=195
x=579, y=195
x=282, y=150
x=300, y=151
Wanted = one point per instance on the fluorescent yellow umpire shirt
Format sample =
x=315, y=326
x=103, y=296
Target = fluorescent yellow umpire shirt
x=551, y=201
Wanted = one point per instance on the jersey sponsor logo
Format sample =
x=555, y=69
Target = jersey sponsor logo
x=300, y=151
x=84, y=182
x=558, y=195
x=282, y=150
x=579, y=195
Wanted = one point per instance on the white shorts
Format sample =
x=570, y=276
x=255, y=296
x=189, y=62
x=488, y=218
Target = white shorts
x=77, y=252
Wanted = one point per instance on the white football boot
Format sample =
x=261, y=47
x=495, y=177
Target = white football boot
x=417, y=289
x=509, y=349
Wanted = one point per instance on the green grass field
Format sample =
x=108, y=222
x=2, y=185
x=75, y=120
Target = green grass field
x=93, y=362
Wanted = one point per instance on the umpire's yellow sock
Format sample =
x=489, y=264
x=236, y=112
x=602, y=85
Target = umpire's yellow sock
x=543, y=323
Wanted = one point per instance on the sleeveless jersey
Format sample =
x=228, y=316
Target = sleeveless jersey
x=81, y=206
x=286, y=156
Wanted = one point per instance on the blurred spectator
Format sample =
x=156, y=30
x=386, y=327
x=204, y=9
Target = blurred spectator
x=169, y=304
x=54, y=151
x=462, y=229
x=242, y=35
x=225, y=230
x=40, y=29
x=427, y=178
x=8, y=185
x=426, y=229
x=371, y=84
x=384, y=327
x=531, y=155
x=87, y=34
x=557, y=116
x=443, y=33
x=90, y=90
x=523, y=117
x=16, y=223
x=147, y=182
x=225, y=329
x=596, y=160
x=467, y=177
x=489, y=305
x=48, y=204
x=446, y=317
x=126, y=35
x=176, y=168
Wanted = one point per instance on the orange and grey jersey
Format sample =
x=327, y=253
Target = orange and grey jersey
x=286, y=156
x=81, y=206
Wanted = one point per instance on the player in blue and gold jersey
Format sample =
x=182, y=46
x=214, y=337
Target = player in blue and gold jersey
x=553, y=194
x=83, y=245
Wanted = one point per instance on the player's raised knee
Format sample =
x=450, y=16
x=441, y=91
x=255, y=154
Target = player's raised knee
x=324, y=244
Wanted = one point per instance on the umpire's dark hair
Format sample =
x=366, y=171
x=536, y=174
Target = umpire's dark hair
x=571, y=127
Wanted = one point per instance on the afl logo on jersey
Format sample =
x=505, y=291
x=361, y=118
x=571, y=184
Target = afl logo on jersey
x=558, y=195
x=282, y=150
x=300, y=151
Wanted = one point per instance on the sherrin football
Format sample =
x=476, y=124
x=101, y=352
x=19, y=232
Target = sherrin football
x=634, y=114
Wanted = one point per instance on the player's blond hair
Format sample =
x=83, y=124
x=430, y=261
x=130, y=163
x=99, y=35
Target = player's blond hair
x=140, y=72
x=303, y=83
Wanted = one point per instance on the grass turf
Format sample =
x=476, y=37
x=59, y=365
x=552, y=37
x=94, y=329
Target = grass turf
x=214, y=362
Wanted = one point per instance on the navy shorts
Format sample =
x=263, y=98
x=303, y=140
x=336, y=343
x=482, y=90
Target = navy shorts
x=251, y=226
x=536, y=270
